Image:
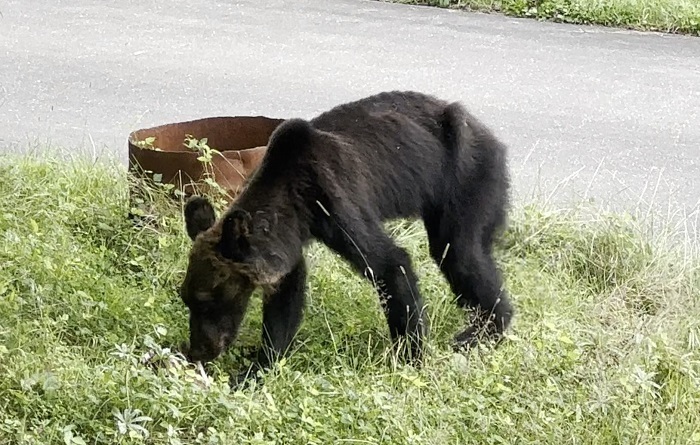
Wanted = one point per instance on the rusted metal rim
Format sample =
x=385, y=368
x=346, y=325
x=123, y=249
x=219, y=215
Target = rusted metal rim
x=241, y=140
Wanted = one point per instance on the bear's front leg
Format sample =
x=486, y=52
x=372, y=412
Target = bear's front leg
x=282, y=314
x=388, y=267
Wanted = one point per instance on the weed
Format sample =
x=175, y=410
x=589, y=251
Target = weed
x=206, y=155
x=675, y=16
x=147, y=144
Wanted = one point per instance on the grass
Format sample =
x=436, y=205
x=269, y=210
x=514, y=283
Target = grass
x=673, y=16
x=605, y=348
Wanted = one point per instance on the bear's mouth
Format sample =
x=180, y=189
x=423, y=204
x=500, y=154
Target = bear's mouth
x=206, y=353
x=201, y=354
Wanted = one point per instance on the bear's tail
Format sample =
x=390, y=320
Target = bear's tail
x=455, y=127
x=461, y=130
x=469, y=141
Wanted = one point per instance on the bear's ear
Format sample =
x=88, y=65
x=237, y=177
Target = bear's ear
x=234, y=235
x=199, y=216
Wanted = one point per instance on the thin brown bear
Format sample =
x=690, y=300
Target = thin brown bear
x=337, y=178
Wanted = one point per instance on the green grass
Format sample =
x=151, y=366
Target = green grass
x=674, y=16
x=605, y=348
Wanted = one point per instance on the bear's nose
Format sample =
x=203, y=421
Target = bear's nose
x=200, y=354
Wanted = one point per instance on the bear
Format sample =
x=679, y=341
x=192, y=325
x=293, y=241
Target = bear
x=337, y=178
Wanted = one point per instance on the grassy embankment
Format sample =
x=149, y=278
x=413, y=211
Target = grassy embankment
x=675, y=16
x=605, y=349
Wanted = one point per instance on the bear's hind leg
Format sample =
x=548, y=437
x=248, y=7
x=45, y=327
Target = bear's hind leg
x=471, y=271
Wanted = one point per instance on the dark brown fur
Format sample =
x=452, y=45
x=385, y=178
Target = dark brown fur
x=337, y=178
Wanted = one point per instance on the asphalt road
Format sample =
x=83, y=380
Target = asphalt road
x=588, y=112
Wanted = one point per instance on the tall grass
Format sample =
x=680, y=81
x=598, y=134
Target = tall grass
x=605, y=347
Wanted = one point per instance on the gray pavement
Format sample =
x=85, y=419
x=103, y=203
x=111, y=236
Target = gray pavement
x=608, y=114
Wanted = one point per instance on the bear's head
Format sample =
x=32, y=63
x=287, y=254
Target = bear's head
x=228, y=259
x=214, y=292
